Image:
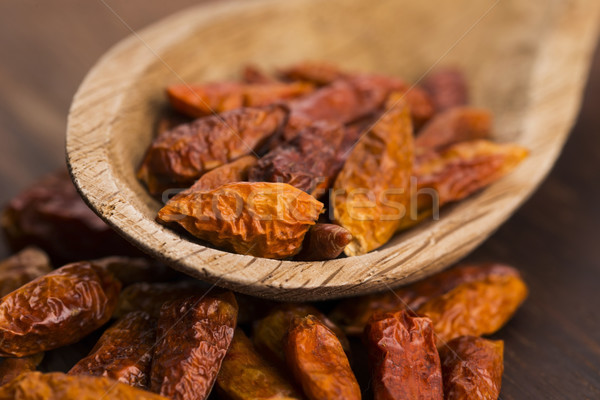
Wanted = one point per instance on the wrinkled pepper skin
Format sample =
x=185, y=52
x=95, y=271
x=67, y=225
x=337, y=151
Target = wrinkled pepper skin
x=270, y=332
x=194, y=335
x=307, y=162
x=353, y=314
x=324, y=242
x=475, y=308
x=472, y=368
x=56, y=309
x=51, y=215
x=403, y=357
x=23, y=267
x=149, y=297
x=245, y=375
x=203, y=100
x=318, y=362
x=371, y=193
x=58, y=386
x=242, y=217
x=455, y=125
x=177, y=158
x=457, y=171
x=12, y=367
x=447, y=88
x=123, y=352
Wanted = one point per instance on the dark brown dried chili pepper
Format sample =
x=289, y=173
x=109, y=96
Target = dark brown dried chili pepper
x=307, y=162
x=123, y=352
x=353, y=314
x=182, y=155
x=475, y=308
x=472, y=368
x=455, y=125
x=193, y=336
x=403, y=357
x=245, y=375
x=203, y=100
x=324, y=242
x=51, y=215
x=56, y=309
x=149, y=297
x=12, y=367
x=270, y=332
x=447, y=88
x=371, y=191
x=242, y=217
x=21, y=268
x=58, y=386
x=318, y=362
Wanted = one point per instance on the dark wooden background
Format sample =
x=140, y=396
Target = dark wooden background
x=553, y=343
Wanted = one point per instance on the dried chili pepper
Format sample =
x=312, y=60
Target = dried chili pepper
x=58, y=386
x=318, y=362
x=56, y=309
x=457, y=172
x=170, y=120
x=21, y=268
x=130, y=270
x=51, y=215
x=455, y=125
x=339, y=103
x=182, y=155
x=353, y=314
x=319, y=73
x=447, y=88
x=403, y=357
x=270, y=332
x=194, y=335
x=324, y=242
x=243, y=216
x=124, y=351
x=371, y=190
x=245, y=375
x=372, y=89
x=149, y=297
x=235, y=171
x=307, y=162
x=475, y=308
x=12, y=367
x=203, y=100
x=472, y=368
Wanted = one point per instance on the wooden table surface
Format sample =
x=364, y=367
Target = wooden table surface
x=553, y=343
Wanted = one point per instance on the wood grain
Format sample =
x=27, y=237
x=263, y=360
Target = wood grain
x=551, y=344
x=511, y=70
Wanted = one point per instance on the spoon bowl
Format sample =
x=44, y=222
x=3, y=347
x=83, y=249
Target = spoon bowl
x=526, y=61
